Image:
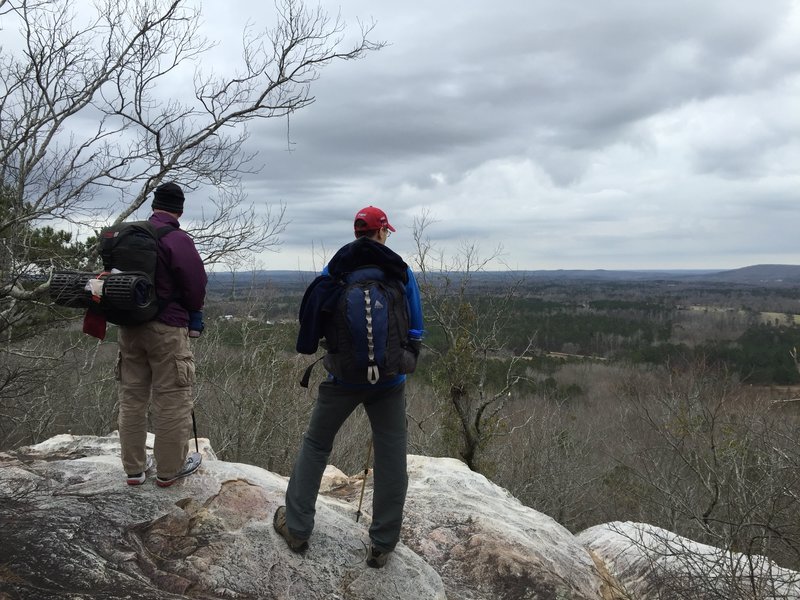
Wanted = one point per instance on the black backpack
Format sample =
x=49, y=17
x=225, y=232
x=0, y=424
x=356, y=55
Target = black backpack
x=366, y=334
x=129, y=297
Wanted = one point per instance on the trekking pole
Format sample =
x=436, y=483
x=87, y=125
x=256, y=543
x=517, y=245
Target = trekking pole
x=194, y=428
x=364, y=483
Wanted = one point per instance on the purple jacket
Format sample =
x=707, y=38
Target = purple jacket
x=180, y=273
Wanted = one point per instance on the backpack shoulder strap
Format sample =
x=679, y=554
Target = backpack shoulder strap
x=160, y=232
x=307, y=374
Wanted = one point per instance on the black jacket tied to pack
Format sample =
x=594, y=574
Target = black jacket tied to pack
x=365, y=252
x=329, y=310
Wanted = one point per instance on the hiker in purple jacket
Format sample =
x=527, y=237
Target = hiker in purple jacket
x=156, y=363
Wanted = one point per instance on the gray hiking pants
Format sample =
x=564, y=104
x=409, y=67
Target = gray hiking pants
x=386, y=409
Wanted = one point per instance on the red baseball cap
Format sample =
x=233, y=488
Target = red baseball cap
x=374, y=218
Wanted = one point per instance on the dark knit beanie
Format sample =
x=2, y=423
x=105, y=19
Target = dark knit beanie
x=169, y=197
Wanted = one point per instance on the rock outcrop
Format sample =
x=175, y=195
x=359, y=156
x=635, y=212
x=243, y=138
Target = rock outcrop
x=71, y=528
x=644, y=561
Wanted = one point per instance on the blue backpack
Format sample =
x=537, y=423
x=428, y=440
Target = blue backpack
x=366, y=334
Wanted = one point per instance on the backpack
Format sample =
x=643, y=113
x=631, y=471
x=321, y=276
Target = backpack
x=366, y=333
x=129, y=297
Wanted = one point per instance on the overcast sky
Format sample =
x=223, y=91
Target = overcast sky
x=620, y=134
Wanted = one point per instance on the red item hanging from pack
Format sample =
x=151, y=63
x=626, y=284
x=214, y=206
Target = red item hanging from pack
x=94, y=324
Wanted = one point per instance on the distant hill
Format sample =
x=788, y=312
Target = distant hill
x=613, y=275
x=771, y=275
x=283, y=280
x=760, y=275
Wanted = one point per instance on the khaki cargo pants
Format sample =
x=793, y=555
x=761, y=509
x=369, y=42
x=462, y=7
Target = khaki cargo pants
x=155, y=364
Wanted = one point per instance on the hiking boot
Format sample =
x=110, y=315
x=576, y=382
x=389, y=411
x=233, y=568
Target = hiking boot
x=190, y=466
x=140, y=478
x=377, y=558
x=279, y=523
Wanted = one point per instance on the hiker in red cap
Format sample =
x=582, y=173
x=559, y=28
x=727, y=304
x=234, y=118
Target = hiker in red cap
x=371, y=219
x=366, y=289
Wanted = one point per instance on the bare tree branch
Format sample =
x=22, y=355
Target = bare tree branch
x=90, y=124
x=473, y=326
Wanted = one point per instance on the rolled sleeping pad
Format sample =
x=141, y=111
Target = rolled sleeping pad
x=68, y=288
x=128, y=291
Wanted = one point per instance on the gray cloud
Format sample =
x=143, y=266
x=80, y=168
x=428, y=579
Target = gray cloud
x=577, y=134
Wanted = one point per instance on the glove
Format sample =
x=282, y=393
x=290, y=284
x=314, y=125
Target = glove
x=196, y=325
x=408, y=362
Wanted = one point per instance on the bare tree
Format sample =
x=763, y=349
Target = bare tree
x=87, y=117
x=248, y=400
x=650, y=562
x=90, y=124
x=472, y=326
x=711, y=462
